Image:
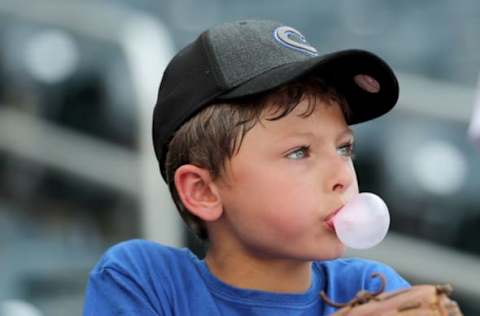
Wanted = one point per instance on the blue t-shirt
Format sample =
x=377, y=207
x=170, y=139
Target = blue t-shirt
x=143, y=278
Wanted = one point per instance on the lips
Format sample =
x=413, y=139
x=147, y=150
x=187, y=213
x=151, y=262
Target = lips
x=329, y=219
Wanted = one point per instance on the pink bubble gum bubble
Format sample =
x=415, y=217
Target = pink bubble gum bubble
x=363, y=222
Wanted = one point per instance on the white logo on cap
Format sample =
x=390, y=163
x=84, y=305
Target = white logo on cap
x=367, y=83
x=291, y=38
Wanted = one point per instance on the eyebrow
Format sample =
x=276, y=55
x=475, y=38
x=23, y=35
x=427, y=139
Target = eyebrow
x=345, y=133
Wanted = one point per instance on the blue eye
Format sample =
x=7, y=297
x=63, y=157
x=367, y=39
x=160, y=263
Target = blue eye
x=299, y=153
x=346, y=150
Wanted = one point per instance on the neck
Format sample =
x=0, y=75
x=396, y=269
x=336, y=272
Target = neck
x=259, y=272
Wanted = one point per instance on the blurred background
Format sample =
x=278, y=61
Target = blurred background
x=78, y=82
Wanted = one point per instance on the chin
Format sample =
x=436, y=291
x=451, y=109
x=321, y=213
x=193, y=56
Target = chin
x=340, y=251
x=332, y=252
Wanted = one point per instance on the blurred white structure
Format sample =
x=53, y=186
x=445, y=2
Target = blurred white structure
x=49, y=55
x=474, y=130
x=147, y=47
x=18, y=308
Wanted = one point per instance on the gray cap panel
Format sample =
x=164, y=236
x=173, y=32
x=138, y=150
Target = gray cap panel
x=242, y=52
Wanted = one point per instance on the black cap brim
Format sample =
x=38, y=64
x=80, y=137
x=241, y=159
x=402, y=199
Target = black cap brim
x=339, y=69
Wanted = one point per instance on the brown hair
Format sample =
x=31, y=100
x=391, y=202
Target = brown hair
x=215, y=134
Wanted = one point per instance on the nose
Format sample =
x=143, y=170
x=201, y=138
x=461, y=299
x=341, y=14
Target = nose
x=339, y=187
x=340, y=175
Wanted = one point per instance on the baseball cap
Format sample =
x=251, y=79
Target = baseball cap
x=242, y=58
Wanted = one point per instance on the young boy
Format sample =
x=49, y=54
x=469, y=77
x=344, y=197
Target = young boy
x=251, y=133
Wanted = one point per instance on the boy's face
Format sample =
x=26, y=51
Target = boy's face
x=287, y=178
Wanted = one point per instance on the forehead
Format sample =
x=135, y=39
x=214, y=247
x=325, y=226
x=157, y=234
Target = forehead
x=311, y=113
x=268, y=139
x=283, y=101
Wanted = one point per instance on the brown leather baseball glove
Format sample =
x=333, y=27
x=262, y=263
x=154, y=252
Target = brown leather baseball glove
x=419, y=300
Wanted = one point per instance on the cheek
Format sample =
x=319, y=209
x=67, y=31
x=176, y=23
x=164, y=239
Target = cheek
x=353, y=189
x=277, y=203
x=289, y=209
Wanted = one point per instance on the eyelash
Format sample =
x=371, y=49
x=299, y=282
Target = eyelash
x=350, y=147
x=306, y=151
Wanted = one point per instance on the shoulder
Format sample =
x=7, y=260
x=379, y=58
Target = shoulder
x=358, y=272
x=137, y=277
x=141, y=252
x=143, y=261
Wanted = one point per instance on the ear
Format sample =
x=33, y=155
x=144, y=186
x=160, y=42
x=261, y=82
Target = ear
x=198, y=192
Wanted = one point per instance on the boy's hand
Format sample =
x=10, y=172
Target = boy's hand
x=419, y=300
